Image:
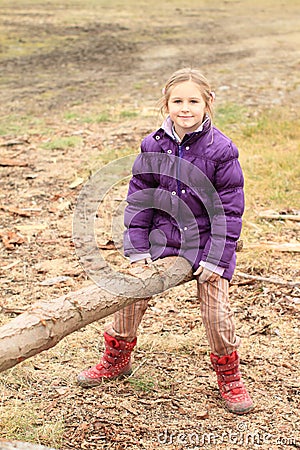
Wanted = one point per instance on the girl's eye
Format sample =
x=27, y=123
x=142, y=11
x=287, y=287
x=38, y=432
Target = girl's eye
x=177, y=101
x=194, y=101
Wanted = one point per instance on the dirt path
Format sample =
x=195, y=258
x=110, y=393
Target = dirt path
x=76, y=89
x=54, y=61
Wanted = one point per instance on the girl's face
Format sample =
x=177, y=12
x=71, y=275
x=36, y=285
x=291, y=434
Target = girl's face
x=186, y=107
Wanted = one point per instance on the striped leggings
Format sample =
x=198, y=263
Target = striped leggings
x=216, y=313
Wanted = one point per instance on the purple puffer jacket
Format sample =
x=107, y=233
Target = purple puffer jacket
x=186, y=199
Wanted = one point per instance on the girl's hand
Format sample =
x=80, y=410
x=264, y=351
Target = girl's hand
x=204, y=275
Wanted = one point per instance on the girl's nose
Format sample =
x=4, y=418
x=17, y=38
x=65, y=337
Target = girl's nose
x=185, y=106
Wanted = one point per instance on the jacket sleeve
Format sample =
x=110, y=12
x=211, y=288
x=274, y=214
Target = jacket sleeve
x=139, y=210
x=226, y=219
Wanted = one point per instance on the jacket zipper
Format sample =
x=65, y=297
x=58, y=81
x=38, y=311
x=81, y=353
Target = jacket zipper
x=180, y=153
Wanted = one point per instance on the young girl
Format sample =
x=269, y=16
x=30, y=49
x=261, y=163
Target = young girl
x=186, y=145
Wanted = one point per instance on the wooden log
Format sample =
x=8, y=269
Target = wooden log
x=46, y=323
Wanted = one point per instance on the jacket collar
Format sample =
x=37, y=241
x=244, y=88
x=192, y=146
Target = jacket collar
x=168, y=128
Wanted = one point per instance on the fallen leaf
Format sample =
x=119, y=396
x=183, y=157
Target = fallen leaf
x=76, y=183
x=110, y=245
x=202, y=415
x=62, y=266
x=10, y=239
x=129, y=408
x=64, y=205
x=62, y=390
x=55, y=280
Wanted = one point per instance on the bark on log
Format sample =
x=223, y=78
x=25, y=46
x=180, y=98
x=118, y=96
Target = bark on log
x=46, y=323
x=6, y=445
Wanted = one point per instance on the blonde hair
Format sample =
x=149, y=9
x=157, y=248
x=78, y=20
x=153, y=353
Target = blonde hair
x=188, y=74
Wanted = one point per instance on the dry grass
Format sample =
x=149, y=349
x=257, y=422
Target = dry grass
x=96, y=121
x=173, y=388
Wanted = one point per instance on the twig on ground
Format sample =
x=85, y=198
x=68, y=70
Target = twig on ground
x=4, y=310
x=268, y=280
x=279, y=216
x=136, y=369
x=10, y=266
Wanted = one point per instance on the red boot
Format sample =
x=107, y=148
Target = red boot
x=232, y=388
x=115, y=363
